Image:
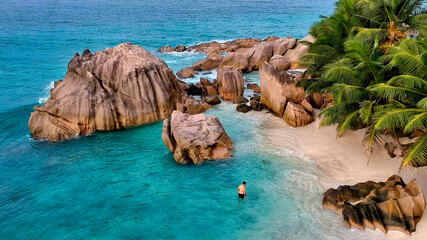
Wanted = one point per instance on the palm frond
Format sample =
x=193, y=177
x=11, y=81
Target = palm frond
x=417, y=154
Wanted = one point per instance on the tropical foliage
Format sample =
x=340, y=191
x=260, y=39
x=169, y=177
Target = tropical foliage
x=371, y=56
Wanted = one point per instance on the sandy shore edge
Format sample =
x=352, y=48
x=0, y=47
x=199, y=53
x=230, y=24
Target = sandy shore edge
x=344, y=162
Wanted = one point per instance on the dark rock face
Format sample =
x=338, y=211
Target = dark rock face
x=242, y=107
x=255, y=87
x=256, y=105
x=389, y=205
x=109, y=90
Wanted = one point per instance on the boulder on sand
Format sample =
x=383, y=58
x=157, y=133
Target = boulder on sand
x=230, y=83
x=389, y=205
x=194, y=138
x=117, y=88
x=296, y=116
x=277, y=88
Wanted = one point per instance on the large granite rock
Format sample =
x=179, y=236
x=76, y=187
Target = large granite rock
x=389, y=205
x=113, y=89
x=230, y=83
x=277, y=88
x=194, y=138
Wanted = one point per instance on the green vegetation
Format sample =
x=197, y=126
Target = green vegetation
x=371, y=56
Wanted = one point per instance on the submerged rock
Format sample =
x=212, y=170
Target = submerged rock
x=242, y=107
x=230, y=83
x=194, y=138
x=109, y=90
x=240, y=99
x=255, y=87
x=389, y=205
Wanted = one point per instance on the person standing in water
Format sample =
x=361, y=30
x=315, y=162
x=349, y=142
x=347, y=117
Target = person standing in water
x=242, y=190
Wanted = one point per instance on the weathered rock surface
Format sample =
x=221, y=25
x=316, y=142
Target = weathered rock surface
x=281, y=45
x=195, y=106
x=390, y=205
x=277, y=88
x=194, y=138
x=259, y=54
x=236, y=60
x=307, y=106
x=280, y=62
x=296, y=116
x=113, y=89
x=294, y=55
x=230, y=83
x=208, y=86
x=186, y=73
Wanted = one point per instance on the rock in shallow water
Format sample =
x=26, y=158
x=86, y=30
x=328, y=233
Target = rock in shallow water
x=113, y=89
x=230, y=83
x=389, y=205
x=194, y=138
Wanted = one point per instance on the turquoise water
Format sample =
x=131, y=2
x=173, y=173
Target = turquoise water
x=125, y=184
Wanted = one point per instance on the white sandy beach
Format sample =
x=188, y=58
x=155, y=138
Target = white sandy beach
x=344, y=162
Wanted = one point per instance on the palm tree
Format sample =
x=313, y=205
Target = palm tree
x=377, y=76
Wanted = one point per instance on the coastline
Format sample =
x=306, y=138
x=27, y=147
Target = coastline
x=343, y=160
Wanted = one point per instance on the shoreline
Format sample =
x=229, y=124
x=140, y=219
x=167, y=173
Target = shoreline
x=343, y=162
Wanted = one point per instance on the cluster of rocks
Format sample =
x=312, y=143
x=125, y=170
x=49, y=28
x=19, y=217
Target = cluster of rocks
x=245, y=54
x=390, y=205
x=194, y=138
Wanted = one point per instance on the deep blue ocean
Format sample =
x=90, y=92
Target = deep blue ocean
x=125, y=184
